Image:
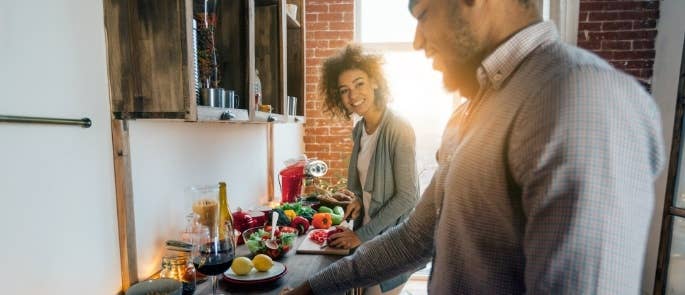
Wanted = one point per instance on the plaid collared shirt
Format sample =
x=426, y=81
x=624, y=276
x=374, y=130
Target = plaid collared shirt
x=545, y=183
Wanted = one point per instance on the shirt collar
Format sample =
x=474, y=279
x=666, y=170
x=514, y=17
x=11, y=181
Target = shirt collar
x=501, y=63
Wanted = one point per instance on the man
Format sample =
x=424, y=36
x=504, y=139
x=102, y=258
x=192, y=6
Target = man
x=545, y=179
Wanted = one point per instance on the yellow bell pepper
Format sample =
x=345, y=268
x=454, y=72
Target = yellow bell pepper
x=290, y=213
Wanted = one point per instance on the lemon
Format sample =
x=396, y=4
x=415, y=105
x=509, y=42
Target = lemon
x=241, y=266
x=262, y=262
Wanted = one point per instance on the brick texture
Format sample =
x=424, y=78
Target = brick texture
x=330, y=26
x=622, y=32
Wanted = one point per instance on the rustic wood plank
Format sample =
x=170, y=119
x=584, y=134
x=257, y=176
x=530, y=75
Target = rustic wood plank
x=119, y=65
x=124, y=200
x=150, y=68
x=296, y=59
x=267, y=55
x=232, y=47
x=190, y=91
x=282, y=57
x=160, y=41
x=250, y=67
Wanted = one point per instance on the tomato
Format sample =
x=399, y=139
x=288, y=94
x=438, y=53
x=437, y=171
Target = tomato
x=287, y=229
x=273, y=252
x=277, y=233
x=318, y=236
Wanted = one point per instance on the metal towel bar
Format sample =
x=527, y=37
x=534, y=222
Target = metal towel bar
x=85, y=122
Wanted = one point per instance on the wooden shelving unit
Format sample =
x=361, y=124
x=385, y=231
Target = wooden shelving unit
x=151, y=56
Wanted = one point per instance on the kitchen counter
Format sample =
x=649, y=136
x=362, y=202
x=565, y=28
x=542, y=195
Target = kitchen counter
x=300, y=268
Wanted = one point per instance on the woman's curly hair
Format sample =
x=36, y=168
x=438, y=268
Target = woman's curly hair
x=350, y=58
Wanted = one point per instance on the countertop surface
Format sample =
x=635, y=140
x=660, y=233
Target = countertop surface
x=300, y=268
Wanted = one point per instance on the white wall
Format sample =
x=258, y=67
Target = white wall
x=58, y=227
x=166, y=157
x=59, y=224
x=669, y=46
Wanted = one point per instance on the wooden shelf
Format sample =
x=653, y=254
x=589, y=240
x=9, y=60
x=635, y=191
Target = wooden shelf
x=269, y=117
x=205, y=113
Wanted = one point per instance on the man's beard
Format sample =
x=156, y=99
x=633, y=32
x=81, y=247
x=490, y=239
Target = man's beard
x=466, y=55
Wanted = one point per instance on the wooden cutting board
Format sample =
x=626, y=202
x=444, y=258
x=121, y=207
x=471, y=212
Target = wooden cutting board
x=309, y=247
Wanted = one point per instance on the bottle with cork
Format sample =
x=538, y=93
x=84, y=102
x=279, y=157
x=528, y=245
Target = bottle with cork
x=225, y=214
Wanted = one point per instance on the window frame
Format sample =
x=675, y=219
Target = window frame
x=564, y=13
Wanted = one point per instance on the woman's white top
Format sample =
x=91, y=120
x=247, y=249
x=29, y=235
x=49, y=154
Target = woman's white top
x=367, y=146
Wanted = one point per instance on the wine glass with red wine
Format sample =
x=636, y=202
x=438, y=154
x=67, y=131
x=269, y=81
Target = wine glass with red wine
x=213, y=244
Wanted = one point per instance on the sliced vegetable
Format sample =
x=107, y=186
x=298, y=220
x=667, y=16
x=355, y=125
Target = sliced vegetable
x=318, y=236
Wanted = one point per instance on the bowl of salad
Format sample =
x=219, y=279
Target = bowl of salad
x=256, y=238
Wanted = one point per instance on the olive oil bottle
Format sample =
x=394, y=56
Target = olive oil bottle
x=225, y=213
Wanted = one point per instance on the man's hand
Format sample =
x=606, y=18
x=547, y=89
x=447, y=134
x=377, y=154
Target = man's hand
x=345, y=240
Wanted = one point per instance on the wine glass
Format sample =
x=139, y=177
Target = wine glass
x=213, y=243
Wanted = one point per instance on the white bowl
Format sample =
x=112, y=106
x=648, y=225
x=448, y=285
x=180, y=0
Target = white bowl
x=156, y=287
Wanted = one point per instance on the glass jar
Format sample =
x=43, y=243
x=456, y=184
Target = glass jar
x=181, y=269
x=257, y=91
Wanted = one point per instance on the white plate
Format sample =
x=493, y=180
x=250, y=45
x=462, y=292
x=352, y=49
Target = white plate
x=254, y=276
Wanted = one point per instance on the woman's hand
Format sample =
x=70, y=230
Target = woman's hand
x=346, y=239
x=354, y=208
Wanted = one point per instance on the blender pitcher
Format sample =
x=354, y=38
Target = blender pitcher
x=291, y=182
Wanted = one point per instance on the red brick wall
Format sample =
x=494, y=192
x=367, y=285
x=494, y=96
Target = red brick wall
x=330, y=26
x=622, y=32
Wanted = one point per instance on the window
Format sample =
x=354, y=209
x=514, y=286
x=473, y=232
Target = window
x=386, y=27
x=564, y=13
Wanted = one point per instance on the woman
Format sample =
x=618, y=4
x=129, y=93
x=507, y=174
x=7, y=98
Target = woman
x=382, y=172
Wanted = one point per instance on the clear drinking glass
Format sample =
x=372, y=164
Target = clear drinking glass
x=213, y=244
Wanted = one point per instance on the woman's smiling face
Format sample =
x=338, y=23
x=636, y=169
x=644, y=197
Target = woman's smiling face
x=356, y=91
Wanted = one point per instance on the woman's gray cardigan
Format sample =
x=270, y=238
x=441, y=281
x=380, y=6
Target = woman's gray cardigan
x=391, y=180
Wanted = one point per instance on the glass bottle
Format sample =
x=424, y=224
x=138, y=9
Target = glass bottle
x=257, y=90
x=181, y=269
x=225, y=212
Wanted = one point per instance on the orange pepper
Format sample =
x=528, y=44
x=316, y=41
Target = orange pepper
x=321, y=220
